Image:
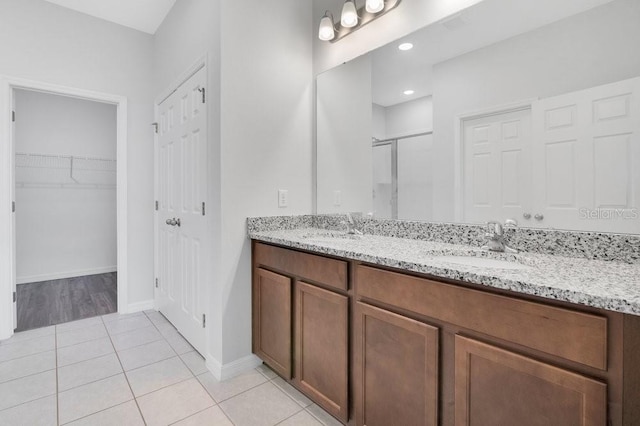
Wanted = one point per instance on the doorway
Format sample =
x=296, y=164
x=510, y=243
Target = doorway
x=10, y=162
x=65, y=193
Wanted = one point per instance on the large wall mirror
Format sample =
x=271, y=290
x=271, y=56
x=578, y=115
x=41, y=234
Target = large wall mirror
x=518, y=109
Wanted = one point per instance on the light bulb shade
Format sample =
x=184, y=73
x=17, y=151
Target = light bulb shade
x=326, y=31
x=374, y=6
x=349, y=17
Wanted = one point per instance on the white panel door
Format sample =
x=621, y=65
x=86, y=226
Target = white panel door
x=586, y=159
x=497, y=166
x=181, y=227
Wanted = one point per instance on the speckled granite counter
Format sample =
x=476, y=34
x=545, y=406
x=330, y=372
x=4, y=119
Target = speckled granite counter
x=609, y=285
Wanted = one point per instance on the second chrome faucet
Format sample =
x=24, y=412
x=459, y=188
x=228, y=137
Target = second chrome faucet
x=495, y=234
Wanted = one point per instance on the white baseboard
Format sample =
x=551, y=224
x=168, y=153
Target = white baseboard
x=234, y=368
x=66, y=274
x=145, y=305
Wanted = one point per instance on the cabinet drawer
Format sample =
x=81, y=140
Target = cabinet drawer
x=318, y=269
x=568, y=334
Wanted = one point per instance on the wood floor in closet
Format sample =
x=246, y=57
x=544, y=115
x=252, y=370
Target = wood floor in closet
x=53, y=302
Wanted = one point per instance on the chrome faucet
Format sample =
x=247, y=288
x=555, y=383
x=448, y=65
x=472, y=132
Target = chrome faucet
x=352, y=226
x=495, y=234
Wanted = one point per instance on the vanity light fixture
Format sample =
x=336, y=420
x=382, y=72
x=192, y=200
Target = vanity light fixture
x=406, y=46
x=349, y=17
x=409, y=92
x=353, y=18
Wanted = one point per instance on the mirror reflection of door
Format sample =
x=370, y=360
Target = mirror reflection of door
x=497, y=166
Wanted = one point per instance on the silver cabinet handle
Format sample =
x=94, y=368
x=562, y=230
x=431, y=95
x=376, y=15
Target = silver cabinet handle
x=539, y=216
x=526, y=215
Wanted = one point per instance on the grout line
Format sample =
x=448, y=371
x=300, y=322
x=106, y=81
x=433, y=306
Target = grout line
x=197, y=412
x=99, y=411
x=293, y=415
x=135, y=399
x=26, y=402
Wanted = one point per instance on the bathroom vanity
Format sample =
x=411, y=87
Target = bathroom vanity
x=381, y=331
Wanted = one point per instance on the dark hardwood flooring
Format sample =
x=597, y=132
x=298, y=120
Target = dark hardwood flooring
x=53, y=302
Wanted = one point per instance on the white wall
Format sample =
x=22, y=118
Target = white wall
x=409, y=16
x=593, y=48
x=48, y=43
x=260, y=134
x=267, y=86
x=344, y=131
x=411, y=117
x=70, y=231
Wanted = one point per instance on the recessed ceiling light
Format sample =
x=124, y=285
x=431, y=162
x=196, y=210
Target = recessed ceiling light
x=409, y=92
x=406, y=46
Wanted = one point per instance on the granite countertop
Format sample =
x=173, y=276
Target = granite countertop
x=610, y=285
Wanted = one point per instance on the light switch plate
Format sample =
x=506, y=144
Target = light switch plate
x=283, y=198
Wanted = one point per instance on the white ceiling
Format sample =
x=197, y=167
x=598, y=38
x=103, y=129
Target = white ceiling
x=142, y=15
x=483, y=24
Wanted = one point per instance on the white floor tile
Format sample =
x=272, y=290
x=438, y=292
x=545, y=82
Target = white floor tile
x=178, y=343
x=221, y=391
x=21, y=336
x=156, y=317
x=134, y=338
x=127, y=324
x=266, y=371
x=126, y=414
x=292, y=392
x=322, y=416
x=174, y=403
x=84, y=351
x=9, y=351
x=117, y=316
x=41, y=412
x=145, y=354
x=81, y=335
x=166, y=329
x=76, y=325
x=97, y=396
x=303, y=418
x=212, y=416
x=264, y=405
x=155, y=376
x=28, y=365
x=27, y=389
x=84, y=372
x=195, y=362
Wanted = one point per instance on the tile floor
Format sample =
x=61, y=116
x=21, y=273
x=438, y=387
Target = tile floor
x=134, y=370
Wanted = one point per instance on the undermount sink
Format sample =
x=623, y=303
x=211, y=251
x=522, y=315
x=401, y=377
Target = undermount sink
x=482, y=262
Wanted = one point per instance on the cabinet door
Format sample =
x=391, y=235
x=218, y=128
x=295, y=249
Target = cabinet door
x=322, y=347
x=396, y=369
x=497, y=387
x=272, y=320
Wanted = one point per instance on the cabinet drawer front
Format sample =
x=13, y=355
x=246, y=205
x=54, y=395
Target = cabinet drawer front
x=319, y=269
x=572, y=335
x=497, y=387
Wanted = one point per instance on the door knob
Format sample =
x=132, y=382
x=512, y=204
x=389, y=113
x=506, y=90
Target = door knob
x=170, y=222
x=539, y=216
x=176, y=221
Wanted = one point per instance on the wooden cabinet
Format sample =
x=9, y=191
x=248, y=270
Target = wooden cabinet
x=272, y=320
x=322, y=347
x=498, y=387
x=378, y=347
x=396, y=369
x=301, y=322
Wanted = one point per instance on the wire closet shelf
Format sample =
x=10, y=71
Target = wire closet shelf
x=64, y=171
